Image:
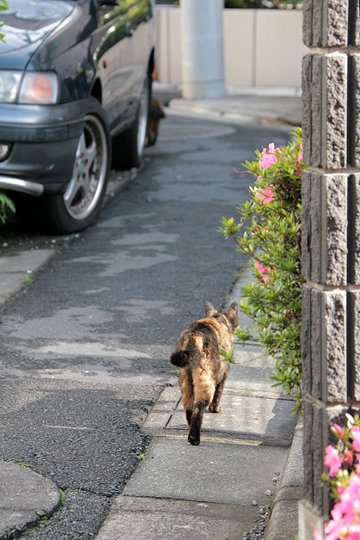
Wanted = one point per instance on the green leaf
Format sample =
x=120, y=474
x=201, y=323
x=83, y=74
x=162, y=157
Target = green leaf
x=227, y=355
x=244, y=334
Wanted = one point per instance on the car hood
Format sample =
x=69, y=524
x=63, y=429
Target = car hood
x=27, y=22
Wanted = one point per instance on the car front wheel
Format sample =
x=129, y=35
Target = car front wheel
x=81, y=203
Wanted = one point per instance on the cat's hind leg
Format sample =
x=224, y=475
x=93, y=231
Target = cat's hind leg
x=214, y=406
x=196, y=421
x=203, y=396
x=187, y=393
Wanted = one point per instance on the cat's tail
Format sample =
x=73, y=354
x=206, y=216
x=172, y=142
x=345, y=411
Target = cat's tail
x=187, y=358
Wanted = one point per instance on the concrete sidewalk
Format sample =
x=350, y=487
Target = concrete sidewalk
x=249, y=459
x=263, y=106
x=248, y=465
x=274, y=110
x=223, y=488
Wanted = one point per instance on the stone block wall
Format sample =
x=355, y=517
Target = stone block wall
x=330, y=236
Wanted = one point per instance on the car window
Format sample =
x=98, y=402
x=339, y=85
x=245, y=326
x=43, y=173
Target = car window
x=128, y=10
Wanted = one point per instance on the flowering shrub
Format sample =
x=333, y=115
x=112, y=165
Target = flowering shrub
x=343, y=477
x=269, y=232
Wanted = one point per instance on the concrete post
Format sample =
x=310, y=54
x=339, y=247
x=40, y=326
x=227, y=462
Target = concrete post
x=330, y=237
x=202, y=48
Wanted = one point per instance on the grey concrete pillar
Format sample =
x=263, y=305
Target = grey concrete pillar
x=330, y=236
x=202, y=48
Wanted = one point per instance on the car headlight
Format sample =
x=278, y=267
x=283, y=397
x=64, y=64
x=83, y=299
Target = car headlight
x=41, y=88
x=9, y=85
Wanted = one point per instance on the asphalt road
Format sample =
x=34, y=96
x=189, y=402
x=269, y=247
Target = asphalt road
x=85, y=346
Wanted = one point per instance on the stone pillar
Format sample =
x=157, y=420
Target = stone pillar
x=202, y=48
x=330, y=236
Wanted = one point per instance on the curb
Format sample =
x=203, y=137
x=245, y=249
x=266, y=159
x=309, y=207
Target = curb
x=18, y=267
x=283, y=523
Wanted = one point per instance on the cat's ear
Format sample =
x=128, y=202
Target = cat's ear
x=232, y=307
x=209, y=310
x=232, y=314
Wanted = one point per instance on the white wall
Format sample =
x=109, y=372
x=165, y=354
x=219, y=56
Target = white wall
x=262, y=47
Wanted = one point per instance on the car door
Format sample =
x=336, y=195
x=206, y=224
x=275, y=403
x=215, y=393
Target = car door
x=112, y=56
x=122, y=56
x=141, y=28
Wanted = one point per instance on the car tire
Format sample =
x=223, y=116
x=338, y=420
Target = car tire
x=128, y=147
x=82, y=201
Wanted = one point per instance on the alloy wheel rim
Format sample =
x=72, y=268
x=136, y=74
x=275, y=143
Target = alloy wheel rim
x=89, y=175
x=143, y=115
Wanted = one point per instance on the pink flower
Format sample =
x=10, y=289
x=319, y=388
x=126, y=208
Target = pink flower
x=265, y=195
x=349, y=457
x=268, y=156
x=332, y=460
x=335, y=529
x=300, y=155
x=345, y=515
x=262, y=271
x=345, y=522
x=338, y=430
x=355, y=433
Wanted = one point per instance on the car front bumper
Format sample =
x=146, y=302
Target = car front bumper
x=43, y=140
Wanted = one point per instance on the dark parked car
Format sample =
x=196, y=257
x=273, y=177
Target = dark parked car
x=75, y=85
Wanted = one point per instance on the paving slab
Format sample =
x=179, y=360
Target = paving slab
x=25, y=496
x=23, y=261
x=10, y=284
x=251, y=366
x=173, y=469
x=248, y=415
x=161, y=413
x=151, y=519
x=16, y=267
